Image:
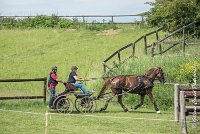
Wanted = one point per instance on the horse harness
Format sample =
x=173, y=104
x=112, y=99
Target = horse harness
x=141, y=84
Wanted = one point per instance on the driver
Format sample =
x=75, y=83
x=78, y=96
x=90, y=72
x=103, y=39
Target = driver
x=73, y=78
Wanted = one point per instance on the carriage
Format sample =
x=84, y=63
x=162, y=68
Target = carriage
x=84, y=103
x=66, y=101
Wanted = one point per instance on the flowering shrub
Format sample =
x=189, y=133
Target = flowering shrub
x=186, y=71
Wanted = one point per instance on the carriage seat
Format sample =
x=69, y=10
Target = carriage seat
x=69, y=87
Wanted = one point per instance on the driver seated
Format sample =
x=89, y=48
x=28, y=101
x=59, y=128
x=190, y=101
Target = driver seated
x=73, y=78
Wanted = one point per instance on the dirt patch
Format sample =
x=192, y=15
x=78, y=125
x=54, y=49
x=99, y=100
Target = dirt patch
x=69, y=30
x=110, y=32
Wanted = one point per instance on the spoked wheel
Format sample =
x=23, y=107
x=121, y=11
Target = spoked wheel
x=76, y=104
x=85, y=105
x=64, y=105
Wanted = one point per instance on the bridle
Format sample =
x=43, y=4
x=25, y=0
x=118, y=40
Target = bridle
x=159, y=71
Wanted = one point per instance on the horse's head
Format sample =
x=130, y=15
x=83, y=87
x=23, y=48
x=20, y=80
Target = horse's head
x=156, y=72
x=160, y=75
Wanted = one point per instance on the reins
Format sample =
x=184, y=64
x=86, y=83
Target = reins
x=96, y=78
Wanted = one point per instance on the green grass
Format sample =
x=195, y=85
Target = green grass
x=111, y=121
x=37, y=50
x=31, y=53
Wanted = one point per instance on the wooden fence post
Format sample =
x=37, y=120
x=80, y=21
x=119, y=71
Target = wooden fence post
x=104, y=67
x=112, y=20
x=157, y=38
x=182, y=113
x=1, y=22
x=83, y=19
x=133, y=47
x=45, y=90
x=119, y=57
x=152, y=49
x=176, y=102
x=160, y=47
x=183, y=43
x=195, y=34
x=142, y=18
x=145, y=44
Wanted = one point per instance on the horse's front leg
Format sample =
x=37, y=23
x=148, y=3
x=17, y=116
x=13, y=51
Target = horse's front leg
x=141, y=102
x=149, y=93
x=106, y=104
x=120, y=102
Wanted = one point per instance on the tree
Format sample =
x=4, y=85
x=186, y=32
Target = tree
x=173, y=14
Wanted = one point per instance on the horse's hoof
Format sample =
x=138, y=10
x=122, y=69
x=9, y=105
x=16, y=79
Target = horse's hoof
x=134, y=107
x=126, y=110
x=158, y=112
x=102, y=109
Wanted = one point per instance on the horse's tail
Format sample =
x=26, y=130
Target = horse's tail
x=105, y=86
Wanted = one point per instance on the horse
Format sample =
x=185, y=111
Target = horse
x=141, y=84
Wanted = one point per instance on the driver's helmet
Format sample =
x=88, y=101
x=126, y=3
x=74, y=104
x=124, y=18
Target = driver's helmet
x=54, y=68
x=74, y=67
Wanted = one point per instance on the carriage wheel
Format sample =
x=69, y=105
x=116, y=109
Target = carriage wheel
x=77, y=101
x=64, y=105
x=86, y=105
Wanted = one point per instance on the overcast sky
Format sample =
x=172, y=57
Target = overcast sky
x=72, y=7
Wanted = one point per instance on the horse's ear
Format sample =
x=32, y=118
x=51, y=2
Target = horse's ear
x=159, y=68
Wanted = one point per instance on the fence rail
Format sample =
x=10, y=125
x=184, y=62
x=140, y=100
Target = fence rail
x=182, y=31
x=188, y=93
x=83, y=17
x=180, y=108
x=133, y=45
x=159, y=42
x=27, y=97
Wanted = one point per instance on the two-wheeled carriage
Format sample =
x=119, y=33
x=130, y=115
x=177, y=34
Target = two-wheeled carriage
x=83, y=103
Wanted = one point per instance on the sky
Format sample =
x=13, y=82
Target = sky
x=73, y=7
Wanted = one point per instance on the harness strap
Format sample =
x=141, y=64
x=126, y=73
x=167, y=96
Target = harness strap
x=150, y=84
x=140, y=81
x=139, y=85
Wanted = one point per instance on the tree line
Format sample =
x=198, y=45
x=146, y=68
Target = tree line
x=170, y=14
x=173, y=14
x=53, y=21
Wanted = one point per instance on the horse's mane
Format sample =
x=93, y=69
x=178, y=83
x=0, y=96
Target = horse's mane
x=148, y=72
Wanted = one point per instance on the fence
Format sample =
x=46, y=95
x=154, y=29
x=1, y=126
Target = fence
x=27, y=97
x=83, y=18
x=185, y=31
x=180, y=94
x=132, y=44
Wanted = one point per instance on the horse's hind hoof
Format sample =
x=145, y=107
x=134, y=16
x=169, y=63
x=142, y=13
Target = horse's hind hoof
x=134, y=107
x=158, y=112
x=126, y=110
x=102, y=109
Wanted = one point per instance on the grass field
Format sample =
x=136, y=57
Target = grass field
x=112, y=121
x=31, y=53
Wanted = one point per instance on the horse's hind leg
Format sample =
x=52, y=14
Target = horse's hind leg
x=141, y=102
x=120, y=102
x=149, y=93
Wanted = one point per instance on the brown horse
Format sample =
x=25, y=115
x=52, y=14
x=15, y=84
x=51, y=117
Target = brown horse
x=141, y=85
